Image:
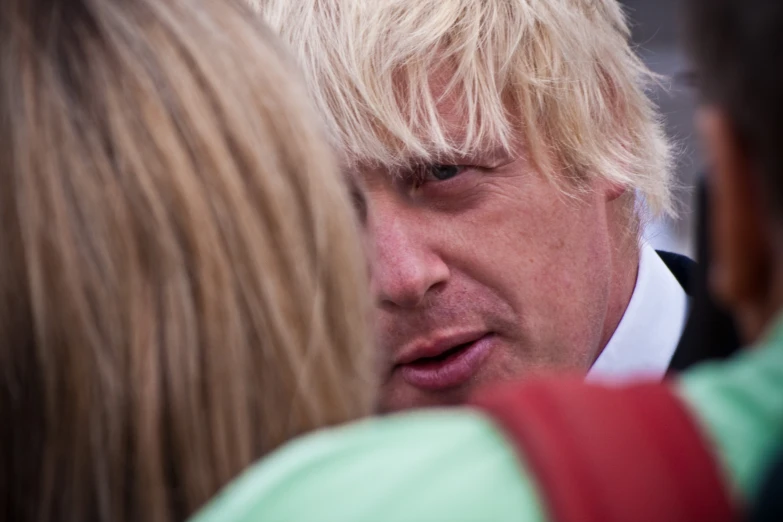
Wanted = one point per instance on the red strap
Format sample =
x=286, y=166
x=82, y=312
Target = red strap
x=612, y=454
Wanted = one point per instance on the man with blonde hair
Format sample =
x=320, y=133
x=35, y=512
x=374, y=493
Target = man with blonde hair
x=505, y=155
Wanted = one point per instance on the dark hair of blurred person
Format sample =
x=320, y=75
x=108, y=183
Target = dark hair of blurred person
x=738, y=50
x=181, y=283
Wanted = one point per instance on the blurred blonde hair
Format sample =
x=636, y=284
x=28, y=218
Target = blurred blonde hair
x=181, y=283
x=558, y=73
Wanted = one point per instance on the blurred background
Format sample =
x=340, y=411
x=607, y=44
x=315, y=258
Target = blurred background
x=656, y=35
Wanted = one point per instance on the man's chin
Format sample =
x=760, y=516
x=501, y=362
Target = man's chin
x=408, y=398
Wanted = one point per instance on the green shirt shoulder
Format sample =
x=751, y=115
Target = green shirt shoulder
x=450, y=465
x=739, y=405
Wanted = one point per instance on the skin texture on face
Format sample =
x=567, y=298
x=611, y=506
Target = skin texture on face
x=486, y=246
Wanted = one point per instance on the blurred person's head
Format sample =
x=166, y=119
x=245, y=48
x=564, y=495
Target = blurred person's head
x=737, y=47
x=507, y=152
x=181, y=280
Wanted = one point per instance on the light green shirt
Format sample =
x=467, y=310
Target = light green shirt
x=435, y=466
x=740, y=406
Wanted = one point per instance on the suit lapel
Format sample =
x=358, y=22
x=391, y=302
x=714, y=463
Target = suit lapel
x=709, y=332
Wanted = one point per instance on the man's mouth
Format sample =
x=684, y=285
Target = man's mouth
x=447, y=362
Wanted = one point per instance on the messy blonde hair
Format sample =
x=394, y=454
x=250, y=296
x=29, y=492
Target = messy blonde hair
x=558, y=73
x=181, y=283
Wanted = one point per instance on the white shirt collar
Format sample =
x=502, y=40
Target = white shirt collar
x=644, y=342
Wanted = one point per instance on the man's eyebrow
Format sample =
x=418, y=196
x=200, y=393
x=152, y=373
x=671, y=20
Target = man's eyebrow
x=487, y=156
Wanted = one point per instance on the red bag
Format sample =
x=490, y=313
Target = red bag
x=612, y=454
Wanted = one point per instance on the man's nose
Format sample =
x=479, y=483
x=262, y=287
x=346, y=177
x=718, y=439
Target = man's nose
x=404, y=268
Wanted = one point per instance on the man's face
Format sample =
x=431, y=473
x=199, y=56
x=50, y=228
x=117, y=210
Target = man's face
x=486, y=272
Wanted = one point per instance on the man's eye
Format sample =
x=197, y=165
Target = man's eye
x=359, y=203
x=443, y=172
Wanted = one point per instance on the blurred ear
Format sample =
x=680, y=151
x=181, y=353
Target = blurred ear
x=742, y=264
x=613, y=190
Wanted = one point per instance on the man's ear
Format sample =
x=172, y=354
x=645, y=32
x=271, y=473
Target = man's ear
x=741, y=266
x=614, y=190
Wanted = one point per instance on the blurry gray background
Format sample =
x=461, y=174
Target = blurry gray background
x=656, y=33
